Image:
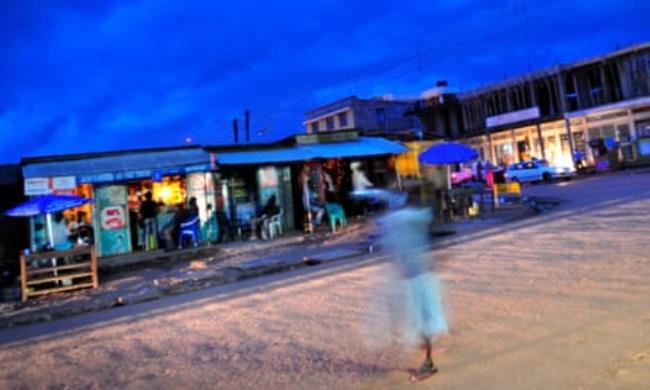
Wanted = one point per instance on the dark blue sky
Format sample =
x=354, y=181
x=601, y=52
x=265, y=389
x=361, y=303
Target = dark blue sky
x=83, y=75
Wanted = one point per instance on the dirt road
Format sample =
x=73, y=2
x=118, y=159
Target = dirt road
x=561, y=301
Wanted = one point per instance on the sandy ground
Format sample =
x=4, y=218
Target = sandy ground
x=561, y=301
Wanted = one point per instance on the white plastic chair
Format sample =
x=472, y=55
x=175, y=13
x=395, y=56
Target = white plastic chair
x=274, y=225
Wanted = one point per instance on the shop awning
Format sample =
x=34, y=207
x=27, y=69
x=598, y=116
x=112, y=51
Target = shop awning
x=362, y=147
x=125, y=166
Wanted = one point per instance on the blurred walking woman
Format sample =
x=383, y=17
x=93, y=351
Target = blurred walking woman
x=405, y=236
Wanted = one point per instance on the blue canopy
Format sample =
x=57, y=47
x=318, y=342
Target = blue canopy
x=362, y=147
x=448, y=153
x=47, y=204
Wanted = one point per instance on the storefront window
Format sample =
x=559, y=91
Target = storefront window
x=625, y=139
x=643, y=129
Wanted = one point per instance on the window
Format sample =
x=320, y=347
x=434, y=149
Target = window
x=314, y=127
x=330, y=122
x=380, y=117
x=343, y=119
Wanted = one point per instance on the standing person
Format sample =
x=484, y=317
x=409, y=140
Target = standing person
x=310, y=201
x=359, y=180
x=578, y=156
x=407, y=243
x=148, y=213
x=479, y=171
x=193, y=208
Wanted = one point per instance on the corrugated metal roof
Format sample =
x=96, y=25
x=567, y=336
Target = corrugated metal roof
x=143, y=165
x=363, y=147
x=140, y=163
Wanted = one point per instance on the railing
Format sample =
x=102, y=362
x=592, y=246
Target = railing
x=51, y=272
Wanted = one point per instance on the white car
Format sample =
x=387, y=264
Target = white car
x=536, y=170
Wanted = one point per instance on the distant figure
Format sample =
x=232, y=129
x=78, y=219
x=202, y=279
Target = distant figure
x=405, y=237
x=259, y=223
x=193, y=208
x=330, y=188
x=479, y=171
x=60, y=233
x=148, y=213
x=578, y=156
x=359, y=180
x=489, y=175
x=310, y=201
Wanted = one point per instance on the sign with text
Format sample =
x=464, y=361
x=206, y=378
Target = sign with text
x=512, y=117
x=50, y=185
x=37, y=186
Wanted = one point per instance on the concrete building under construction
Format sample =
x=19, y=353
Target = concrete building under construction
x=552, y=113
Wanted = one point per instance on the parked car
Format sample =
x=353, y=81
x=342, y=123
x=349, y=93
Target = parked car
x=536, y=170
x=462, y=176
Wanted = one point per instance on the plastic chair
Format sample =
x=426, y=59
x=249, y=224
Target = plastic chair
x=274, y=225
x=336, y=215
x=189, y=228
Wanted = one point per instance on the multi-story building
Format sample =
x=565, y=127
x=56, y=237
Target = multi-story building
x=376, y=116
x=554, y=112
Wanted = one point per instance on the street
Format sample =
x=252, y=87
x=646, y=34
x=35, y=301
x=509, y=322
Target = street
x=556, y=301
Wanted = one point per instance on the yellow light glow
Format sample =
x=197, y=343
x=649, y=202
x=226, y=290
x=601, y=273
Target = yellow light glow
x=165, y=193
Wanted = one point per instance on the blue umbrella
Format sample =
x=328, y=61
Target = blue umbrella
x=448, y=153
x=47, y=204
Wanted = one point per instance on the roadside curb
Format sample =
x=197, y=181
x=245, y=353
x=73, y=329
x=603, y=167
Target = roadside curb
x=202, y=279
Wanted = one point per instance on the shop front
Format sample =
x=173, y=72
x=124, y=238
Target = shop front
x=251, y=174
x=119, y=182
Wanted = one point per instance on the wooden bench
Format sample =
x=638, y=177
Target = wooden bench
x=51, y=272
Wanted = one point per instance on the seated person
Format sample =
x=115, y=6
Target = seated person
x=258, y=224
x=316, y=208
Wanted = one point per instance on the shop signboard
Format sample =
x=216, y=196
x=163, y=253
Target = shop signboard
x=37, y=186
x=64, y=185
x=50, y=185
x=512, y=117
x=112, y=220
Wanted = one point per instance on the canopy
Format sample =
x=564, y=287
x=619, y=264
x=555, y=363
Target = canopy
x=362, y=147
x=448, y=153
x=47, y=204
x=127, y=165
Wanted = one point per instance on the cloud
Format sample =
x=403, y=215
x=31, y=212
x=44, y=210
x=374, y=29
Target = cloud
x=86, y=76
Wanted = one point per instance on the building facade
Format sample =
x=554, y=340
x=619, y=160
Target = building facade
x=376, y=116
x=596, y=106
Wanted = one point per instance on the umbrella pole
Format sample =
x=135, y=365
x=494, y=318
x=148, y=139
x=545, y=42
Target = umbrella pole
x=50, y=232
x=448, y=177
x=50, y=236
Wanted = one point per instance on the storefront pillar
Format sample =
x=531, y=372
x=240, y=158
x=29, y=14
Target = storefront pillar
x=563, y=109
x=515, y=149
x=491, y=146
x=541, y=140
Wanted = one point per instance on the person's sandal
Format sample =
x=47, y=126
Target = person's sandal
x=424, y=372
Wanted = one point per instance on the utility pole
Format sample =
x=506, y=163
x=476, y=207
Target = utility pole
x=235, y=129
x=247, y=125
